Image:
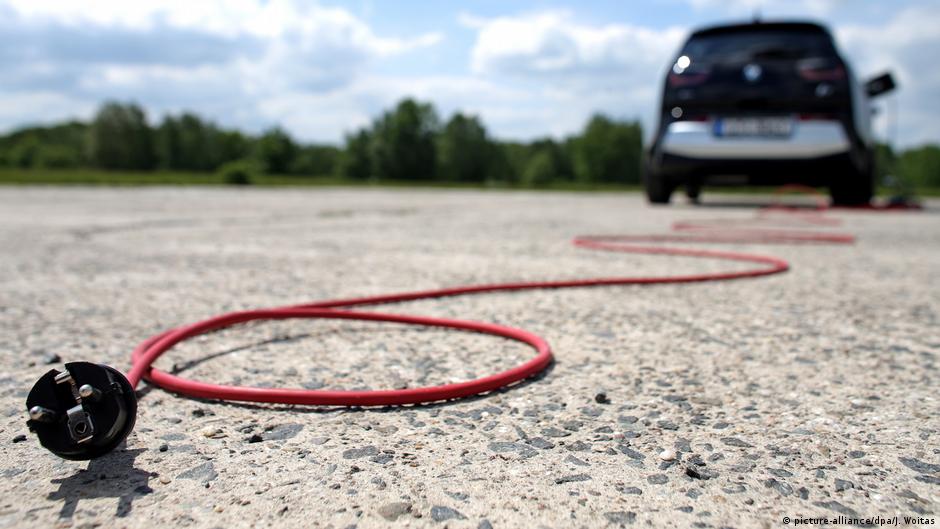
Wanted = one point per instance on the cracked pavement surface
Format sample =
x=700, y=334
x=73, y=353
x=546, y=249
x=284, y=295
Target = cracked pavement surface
x=812, y=393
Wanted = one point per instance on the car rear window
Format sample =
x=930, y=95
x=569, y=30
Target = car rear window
x=742, y=46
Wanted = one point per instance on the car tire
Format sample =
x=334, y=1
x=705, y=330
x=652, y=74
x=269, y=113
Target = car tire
x=658, y=189
x=855, y=191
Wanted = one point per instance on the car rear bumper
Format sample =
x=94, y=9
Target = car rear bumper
x=809, y=139
x=819, y=171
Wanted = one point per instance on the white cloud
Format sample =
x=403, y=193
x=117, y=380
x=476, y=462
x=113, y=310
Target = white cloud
x=471, y=21
x=24, y=107
x=770, y=8
x=322, y=71
x=330, y=115
x=572, y=69
x=269, y=20
x=205, y=55
x=552, y=43
x=903, y=45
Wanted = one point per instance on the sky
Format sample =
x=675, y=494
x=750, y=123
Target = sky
x=320, y=70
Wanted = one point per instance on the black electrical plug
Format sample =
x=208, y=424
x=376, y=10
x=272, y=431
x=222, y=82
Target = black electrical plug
x=83, y=412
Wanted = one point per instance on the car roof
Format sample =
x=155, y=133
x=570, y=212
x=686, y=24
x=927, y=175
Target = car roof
x=788, y=25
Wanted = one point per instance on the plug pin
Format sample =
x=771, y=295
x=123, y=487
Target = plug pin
x=87, y=391
x=40, y=414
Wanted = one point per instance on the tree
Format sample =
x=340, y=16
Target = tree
x=499, y=167
x=167, y=144
x=119, y=138
x=58, y=146
x=558, y=154
x=56, y=156
x=232, y=145
x=540, y=170
x=24, y=152
x=191, y=144
x=197, y=151
x=403, y=146
x=516, y=157
x=315, y=160
x=608, y=151
x=920, y=166
x=464, y=152
x=276, y=151
x=356, y=159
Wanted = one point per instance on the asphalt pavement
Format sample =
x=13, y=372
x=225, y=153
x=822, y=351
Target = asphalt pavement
x=749, y=403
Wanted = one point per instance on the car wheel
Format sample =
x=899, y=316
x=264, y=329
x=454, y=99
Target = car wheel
x=658, y=189
x=855, y=191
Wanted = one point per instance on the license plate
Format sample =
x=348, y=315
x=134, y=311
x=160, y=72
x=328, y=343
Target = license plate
x=769, y=127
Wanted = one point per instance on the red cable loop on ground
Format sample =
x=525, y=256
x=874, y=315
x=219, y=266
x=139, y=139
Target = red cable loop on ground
x=147, y=353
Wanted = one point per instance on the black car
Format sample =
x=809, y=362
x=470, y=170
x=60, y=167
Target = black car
x=763, y=104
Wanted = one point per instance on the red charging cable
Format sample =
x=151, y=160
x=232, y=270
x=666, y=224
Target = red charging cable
x=724, y=231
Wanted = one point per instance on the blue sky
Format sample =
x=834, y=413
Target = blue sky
x=321, y=69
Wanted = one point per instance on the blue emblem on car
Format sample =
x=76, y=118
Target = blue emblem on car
x=753, y=72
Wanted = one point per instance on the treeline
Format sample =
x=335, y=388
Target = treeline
x=912, y=168
x=409, y=142
x=120, y=138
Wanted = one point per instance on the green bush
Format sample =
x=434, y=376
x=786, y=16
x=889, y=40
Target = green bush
x=315, y=160
x=56, y=157
x=239, y=172
x=540, y=171
x=23, y=152
x=920, y=166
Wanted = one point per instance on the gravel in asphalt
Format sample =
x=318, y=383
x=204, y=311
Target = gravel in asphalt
x=812, y=393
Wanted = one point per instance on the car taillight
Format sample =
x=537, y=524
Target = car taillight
x=687, y=78
x=818, y=116
x=684, y=73
x=820, y=70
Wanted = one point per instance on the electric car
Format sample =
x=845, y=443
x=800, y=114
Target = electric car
x=763, y=104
